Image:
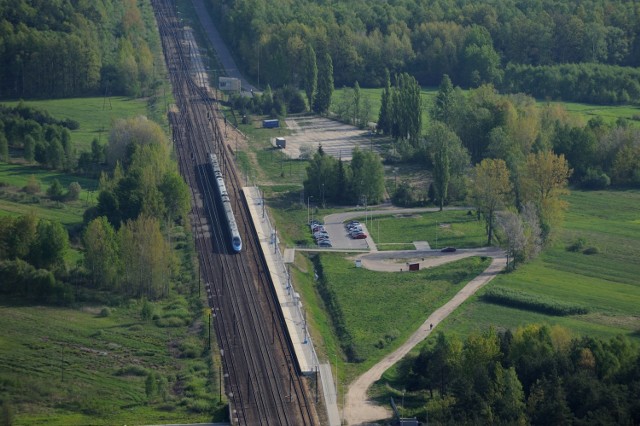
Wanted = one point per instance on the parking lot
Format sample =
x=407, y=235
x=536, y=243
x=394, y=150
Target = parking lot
x=337, y=139
x=339, y=238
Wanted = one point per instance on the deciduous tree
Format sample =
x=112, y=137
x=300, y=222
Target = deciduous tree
x=544, y=181
x=101, y=257
x=490, y=190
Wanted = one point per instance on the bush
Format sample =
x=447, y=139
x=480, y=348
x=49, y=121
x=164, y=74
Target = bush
x=537, y=303
x=73, y=192
x=105, y=312
x=170, y=321
x=33, y=186
x=577, y=245
x=147, y=310
x=199, y=406
x=56, y=191
x=132, y=370
x=595, y=179
x=189, y=350
x=591, y=250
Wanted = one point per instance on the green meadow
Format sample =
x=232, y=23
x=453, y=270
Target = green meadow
x=609, y=113
x=95, y=115
x=607, y=283
x=455, y=228
x=90, y=365
x=381, y=310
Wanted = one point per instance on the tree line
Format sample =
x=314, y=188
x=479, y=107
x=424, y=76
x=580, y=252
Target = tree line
x=549, y=43
x=38, y=135
x=64, y=48
x=535, y=375
x=329, y=179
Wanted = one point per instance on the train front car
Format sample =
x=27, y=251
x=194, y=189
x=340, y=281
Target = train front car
x=236, y=241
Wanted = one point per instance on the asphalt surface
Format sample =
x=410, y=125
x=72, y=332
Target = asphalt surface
x=224, y=56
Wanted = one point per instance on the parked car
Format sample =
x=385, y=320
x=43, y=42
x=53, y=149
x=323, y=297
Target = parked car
x=324, y=243
x=360, y=236
x=315, y=222
x=320, y=235
x=448, y=250
x=317, y=228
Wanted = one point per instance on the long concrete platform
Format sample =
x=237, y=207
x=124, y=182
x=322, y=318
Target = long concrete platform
x=289, y=300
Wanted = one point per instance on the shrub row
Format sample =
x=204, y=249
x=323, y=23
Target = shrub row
x=521, y=300
x=337, y=317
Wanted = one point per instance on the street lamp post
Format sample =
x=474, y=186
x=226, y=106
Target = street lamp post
x=403, y=402
x=308, y=199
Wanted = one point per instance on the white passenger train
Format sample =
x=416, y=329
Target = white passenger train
x=236, y=241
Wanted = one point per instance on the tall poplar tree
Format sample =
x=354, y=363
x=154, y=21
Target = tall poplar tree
x=325, y=83
x=310, y=74
x=384, y=117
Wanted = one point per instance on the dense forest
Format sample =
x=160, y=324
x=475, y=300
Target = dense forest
x=534, y=375
x=570, y=50
x=64, y=48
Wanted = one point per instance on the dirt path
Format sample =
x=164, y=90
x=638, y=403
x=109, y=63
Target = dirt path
x=359, y=409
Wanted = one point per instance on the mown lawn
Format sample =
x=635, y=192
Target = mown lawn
x=455, y=228
x=66, y=366
x=606, y=282
x=95, y=115
x=381, y=310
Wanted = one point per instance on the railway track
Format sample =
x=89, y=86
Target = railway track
x=262, y=383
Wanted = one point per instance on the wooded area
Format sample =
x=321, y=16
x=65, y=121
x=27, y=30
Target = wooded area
x=64, y=48
x=570, y=50
x=534, y=375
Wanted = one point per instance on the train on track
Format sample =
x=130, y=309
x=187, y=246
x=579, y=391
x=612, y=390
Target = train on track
x=236, y=241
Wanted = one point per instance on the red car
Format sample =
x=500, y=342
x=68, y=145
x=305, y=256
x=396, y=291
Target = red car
x=359, y=236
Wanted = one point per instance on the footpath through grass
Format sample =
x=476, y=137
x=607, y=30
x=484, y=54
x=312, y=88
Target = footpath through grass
x=381, y=310
x=606, y=283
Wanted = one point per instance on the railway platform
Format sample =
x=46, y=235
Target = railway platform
x=290, y=303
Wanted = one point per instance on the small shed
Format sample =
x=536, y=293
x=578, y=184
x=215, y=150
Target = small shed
x=281, y=143
x=271, y=124
x=414, y=266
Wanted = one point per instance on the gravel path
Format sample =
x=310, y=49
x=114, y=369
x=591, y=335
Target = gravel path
x=358, y=408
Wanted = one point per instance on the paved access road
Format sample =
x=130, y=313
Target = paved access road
x=223, y=54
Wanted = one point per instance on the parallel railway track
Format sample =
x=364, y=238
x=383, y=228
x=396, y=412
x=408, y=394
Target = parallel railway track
x=262, y=382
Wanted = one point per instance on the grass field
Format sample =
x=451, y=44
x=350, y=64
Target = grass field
x=95, y=115
x=378, y=328
x=606, y=282
x=15, y=202
x=441, y=229
x=610, y=113
x=78, y=367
